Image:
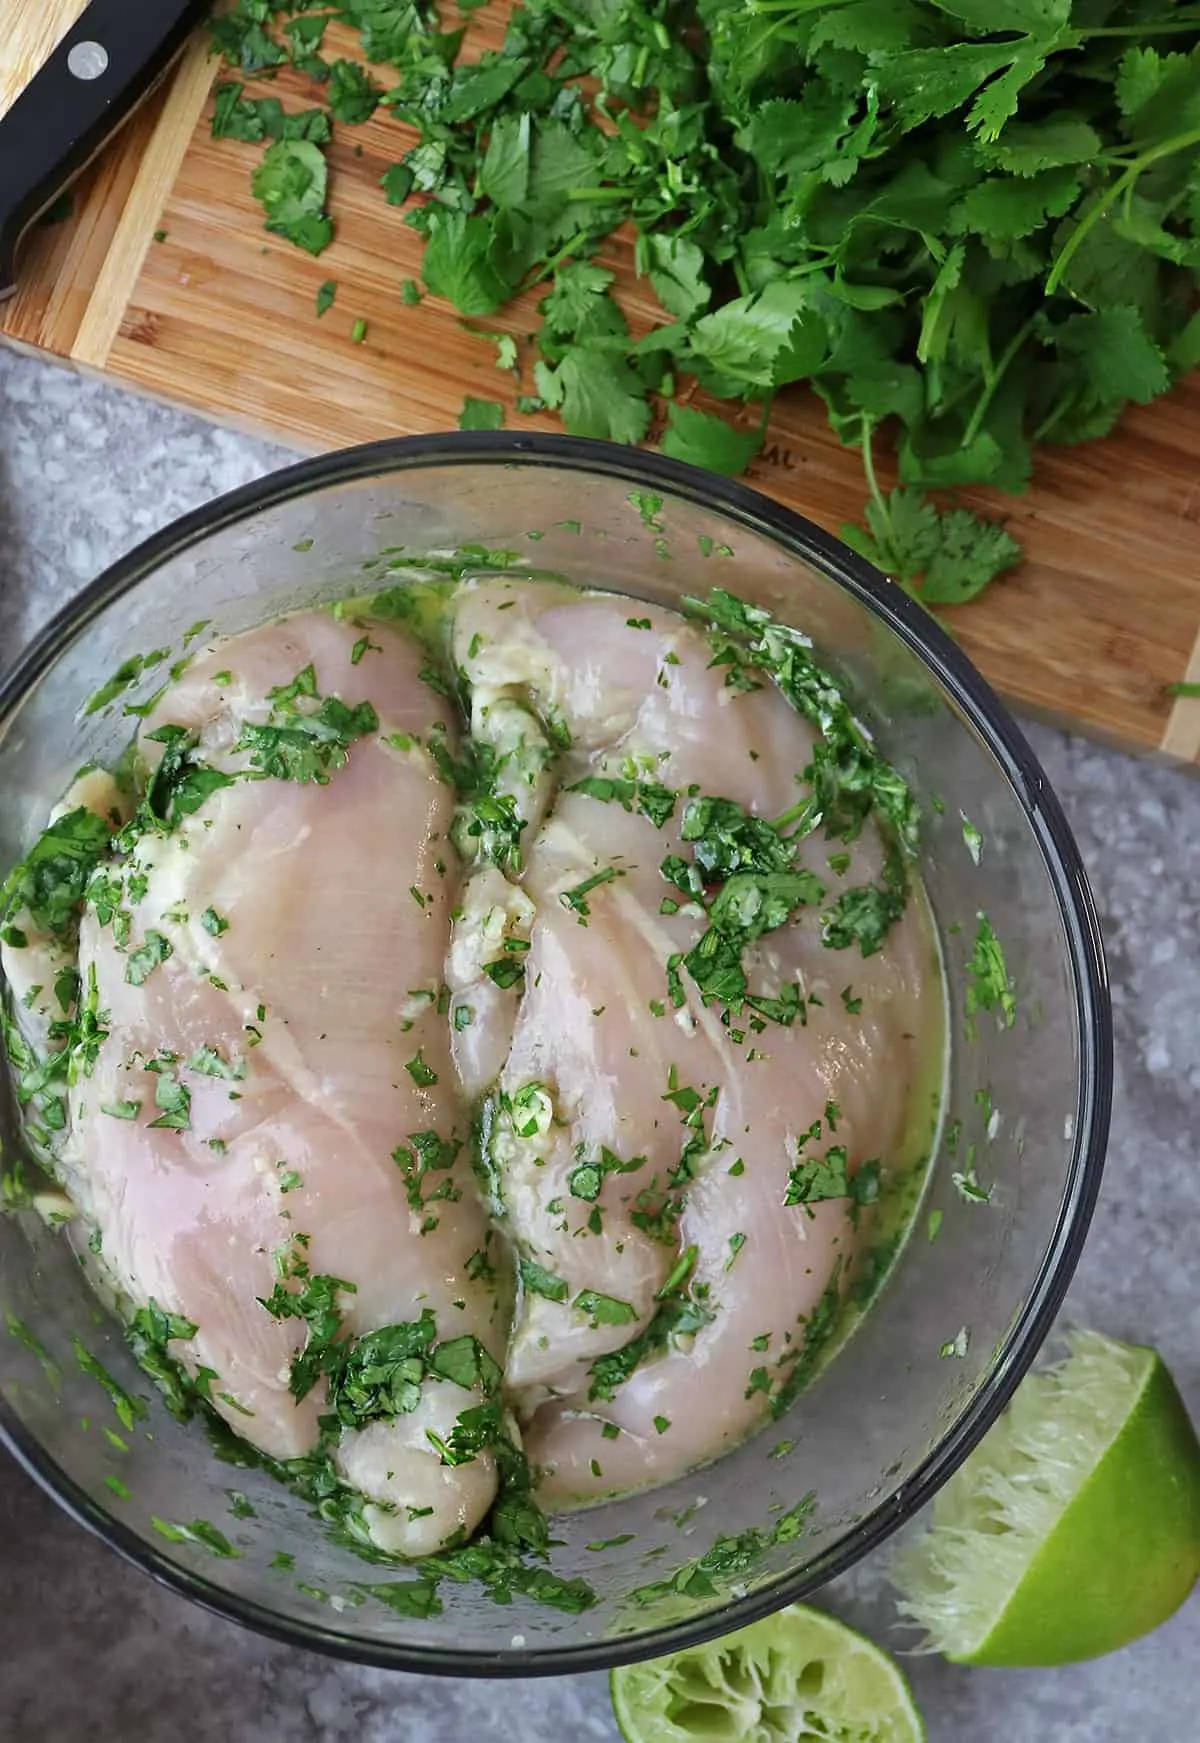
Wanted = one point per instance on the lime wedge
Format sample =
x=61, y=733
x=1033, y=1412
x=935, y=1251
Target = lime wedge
x=793, y=1675
x=1075, y=1526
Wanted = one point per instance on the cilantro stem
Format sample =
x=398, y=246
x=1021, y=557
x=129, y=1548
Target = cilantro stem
x=540, y=273
x=1140, y=30
x=599, y=195
x=797, y=810
x=1168, y=148
x=993, y=378
x=868, y=460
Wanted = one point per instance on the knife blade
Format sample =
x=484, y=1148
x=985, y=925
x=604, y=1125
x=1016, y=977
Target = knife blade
x=109, y=60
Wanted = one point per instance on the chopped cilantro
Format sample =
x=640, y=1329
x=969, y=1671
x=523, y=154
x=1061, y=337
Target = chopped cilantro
x=416, y=1599
x=291, y=184
x=316, y=1303
x=253, y=120
x=651, y=798
x=424, y=1154
x=730, y=1558
x=141, y=963
x=576, y=899
x=129, y=1410
x=816, y=1179
x=422, y=1074
x=967, y=1185
x=174, y=1102
x=803, y=1360
x=481, y=414
x=506, y=972
x=604, y=1309
x=48, y=885
x=121, y=1110
x=989, y=984
x=199, y=1532
x=586, y=1179
x=539, y=1281
x=353, y=94
x=681, y=1312
x=209, y=1062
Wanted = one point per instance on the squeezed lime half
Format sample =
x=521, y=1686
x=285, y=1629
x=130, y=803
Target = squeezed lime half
x=1074, y=1527
x=795, y=1675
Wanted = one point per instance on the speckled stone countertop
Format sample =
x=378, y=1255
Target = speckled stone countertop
x=91, y=1649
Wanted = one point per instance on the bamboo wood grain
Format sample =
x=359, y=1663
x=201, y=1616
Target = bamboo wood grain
x=1099, y=620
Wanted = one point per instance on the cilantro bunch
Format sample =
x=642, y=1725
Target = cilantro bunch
x=970, y=226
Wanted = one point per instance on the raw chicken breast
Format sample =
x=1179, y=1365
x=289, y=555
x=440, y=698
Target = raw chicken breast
x=301, y=1022
x=295, y=1019
x=642, y=1145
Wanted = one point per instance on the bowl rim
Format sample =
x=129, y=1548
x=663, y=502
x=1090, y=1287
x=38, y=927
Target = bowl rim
x=916, y=628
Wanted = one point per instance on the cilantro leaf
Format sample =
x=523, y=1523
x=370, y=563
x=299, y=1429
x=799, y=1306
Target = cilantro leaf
x=460, y=263
x=1008, y=207
x=481, y=414
x=1027, y=147
x=141, y=963
x=989, y=984
x=242, y=39
x=48, y=884
x=944, y=558
x=353, y=94
x=504, y=172
x=703, y=440
x=763, y=340
x=538, y=1281
x=1138, y=78
x=604, y=1309
x=291, y=184
x=236, y=116
x=677, y=274
x=1119, y=357
x=970, y=553
x=597, y=394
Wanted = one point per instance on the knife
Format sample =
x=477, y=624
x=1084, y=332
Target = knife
x=102, y=69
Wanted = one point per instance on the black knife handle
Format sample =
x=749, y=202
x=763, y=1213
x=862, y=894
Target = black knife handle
x=106, y=64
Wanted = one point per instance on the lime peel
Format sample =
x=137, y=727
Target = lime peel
x=1073, y=1528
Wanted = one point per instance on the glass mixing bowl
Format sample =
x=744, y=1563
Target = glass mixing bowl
x=960, y=1317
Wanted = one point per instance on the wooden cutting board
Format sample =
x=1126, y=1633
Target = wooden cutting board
x=163, y=279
